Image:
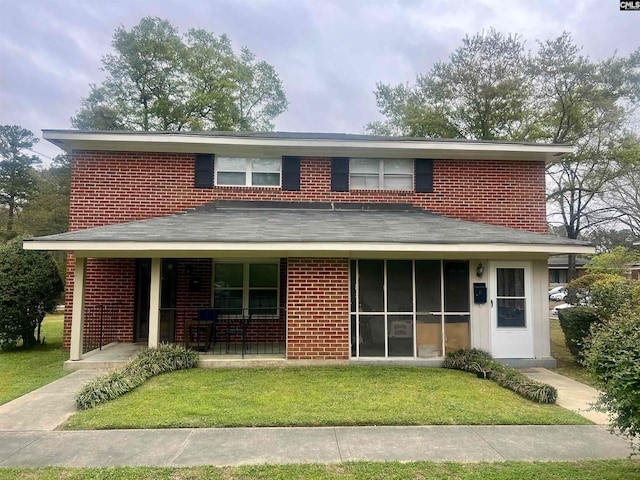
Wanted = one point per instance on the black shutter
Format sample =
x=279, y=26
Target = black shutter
x=290, y=173
x=339, y=174
x=204, y=171
x=424, y=175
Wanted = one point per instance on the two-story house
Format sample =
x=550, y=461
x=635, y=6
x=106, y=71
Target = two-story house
x=311, y=247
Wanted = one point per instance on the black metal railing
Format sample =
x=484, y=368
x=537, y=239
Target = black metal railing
x=230, y=331
x=100, y=326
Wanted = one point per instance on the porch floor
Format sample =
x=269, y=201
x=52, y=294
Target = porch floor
x=116, y=354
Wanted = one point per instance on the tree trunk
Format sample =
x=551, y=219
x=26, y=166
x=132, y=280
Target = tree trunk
x=572, y=274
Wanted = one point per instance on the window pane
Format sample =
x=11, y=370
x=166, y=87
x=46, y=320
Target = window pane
x=429, y=336
x=400, y=329
x=398, y=182
x=456, y=286
x=269, y=179
x=263, y=275
x=398, y=166
x=510, y=282
x=511, y=312
x=364, y=165
x=263, y=301
x=371, y=285
x=226, y=178
x=265, y=165
x=399, y=286
x=428, y=286
x=228, y=275
x=228, y=301
x=372, y=336
x=232, y=164
x=364, y=181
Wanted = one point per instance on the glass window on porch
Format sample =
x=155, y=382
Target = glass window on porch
x=252, y=286
x=407, y=308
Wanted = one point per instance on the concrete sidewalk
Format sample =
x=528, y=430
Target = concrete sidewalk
x=243, y=446
x=28, y=438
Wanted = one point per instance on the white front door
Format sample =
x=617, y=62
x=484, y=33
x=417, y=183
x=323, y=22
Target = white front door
x=511, y=315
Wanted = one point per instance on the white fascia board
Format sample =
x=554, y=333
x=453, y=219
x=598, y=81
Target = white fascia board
x=195, y=249
x=228, y=145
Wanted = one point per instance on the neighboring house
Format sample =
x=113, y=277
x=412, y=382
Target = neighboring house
x=345, y=248
x=559, y=269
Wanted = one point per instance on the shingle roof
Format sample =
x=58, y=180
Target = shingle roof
x=263, y=222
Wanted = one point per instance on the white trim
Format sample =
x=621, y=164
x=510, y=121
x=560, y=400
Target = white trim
x=104, y=249
x=154, y=302
x=77, y=313
x=315, y=147
x=248, y=172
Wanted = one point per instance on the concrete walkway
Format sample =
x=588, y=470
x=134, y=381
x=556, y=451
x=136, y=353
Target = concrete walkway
x=28, y=439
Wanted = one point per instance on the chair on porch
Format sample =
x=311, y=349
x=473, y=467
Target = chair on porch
x=238, y=325
x=200, y=333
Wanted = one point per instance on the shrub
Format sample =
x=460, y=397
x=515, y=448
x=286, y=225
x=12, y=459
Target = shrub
x=30, y=287
x=613, y=358
x=575, y=323
x=613, y=294
x=151, y=362
x=479, y=361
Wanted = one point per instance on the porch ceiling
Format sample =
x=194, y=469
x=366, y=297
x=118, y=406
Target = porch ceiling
x=276, y=229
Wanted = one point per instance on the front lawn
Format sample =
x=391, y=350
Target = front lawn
x=584, y=470
x=25, y=370
x=319, y=396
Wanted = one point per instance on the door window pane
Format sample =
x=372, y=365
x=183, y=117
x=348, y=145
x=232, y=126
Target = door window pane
x=371, y=285
x=400, y=330
x=510, y=282
x=456, y=286
x=428, y=286
x=372, y=339
x=511, y=312
x=399, y=286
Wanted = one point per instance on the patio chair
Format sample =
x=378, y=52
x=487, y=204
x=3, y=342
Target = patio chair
x=198, y=334
x=238, y=325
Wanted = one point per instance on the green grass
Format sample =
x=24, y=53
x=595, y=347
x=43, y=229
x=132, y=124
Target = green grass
x=585, y=470
x=25, y=370
x=567, y=364
x=318, y=396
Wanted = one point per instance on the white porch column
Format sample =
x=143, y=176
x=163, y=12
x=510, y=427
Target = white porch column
x=154, y=302
x=77, y=315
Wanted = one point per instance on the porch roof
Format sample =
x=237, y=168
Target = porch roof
x=286, y=228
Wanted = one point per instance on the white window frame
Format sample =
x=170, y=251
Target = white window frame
x=248, y=178
x=381, y=174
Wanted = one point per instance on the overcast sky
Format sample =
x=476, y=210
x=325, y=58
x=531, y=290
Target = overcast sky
x=328, y=53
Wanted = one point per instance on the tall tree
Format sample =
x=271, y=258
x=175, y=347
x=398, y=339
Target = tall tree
x=17, y=173
x=160, y=80
x=492, y=89
x=481, y=92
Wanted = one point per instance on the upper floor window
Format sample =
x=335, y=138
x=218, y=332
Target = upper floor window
x=257, y=172
x=381, y=173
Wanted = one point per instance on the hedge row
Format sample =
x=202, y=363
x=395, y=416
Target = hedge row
x=151, y=362
x=481, y=362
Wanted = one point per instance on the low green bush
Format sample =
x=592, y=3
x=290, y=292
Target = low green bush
x=151, y=362
x=612, y=356
x=575, y=323
x=478, y=361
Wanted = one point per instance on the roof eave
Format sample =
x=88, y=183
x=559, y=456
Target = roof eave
x=336, y=249
x=70, y=140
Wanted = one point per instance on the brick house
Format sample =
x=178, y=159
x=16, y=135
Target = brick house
x=309, y=247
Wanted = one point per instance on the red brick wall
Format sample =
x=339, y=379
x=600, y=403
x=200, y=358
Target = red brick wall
x=318, y=308
x=113, y=187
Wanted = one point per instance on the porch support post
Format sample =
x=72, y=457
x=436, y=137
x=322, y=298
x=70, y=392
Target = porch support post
x=77, y=315
x=154, y=303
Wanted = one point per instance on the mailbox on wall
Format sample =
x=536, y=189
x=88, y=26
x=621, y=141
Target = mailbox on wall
x=479, y=293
